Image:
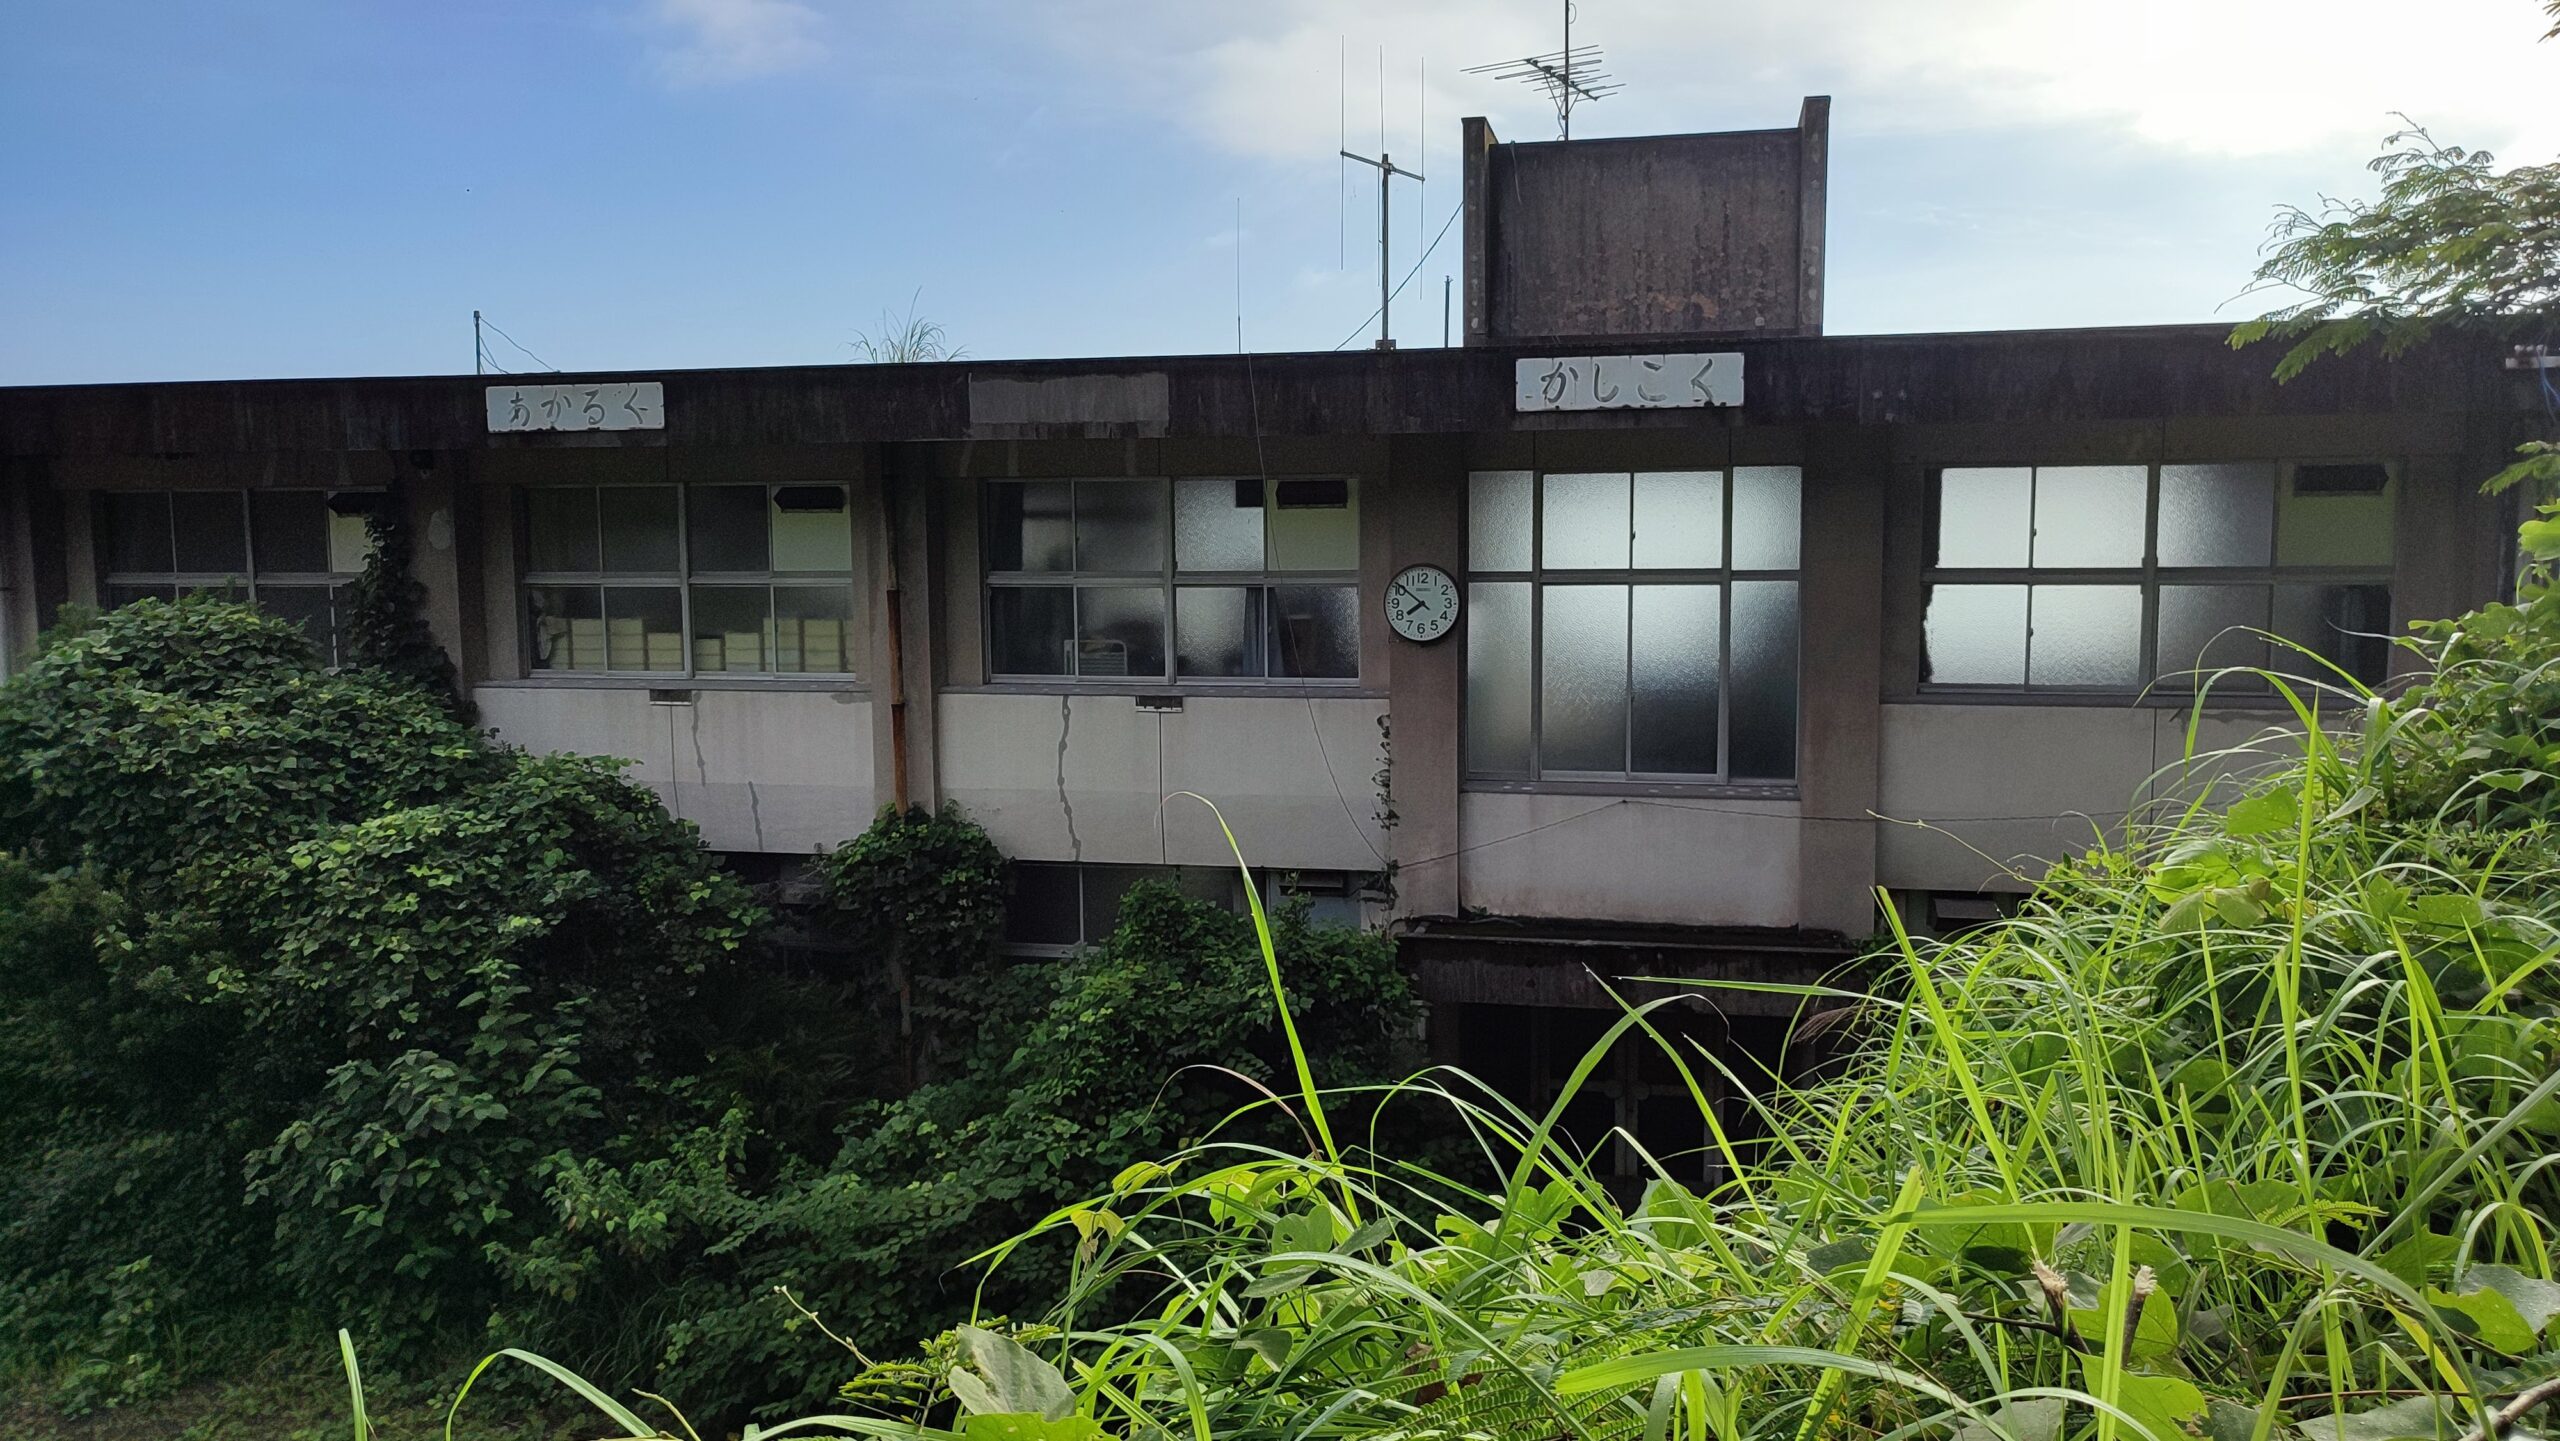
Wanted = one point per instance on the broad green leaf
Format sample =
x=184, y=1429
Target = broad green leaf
x=2163, y=1407
x=2417, y=1418
x=2417, y=1256
x=1008, y=1379
x=2155, y=1331
x=1005, y=1427
x=2267, y=813
x=2036, y=1418
x=2486, y=1317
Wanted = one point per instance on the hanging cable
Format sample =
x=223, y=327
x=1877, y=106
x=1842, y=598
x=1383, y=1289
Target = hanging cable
x=1357, y=330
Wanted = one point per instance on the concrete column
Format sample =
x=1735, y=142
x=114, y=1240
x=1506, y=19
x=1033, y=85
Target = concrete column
x=907, y=503
x=2455, y=546
x=1426, y=491
x=427, y=494
x=1846, y=473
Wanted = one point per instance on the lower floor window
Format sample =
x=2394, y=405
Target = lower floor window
x=1060, y=905
x=2090, y=636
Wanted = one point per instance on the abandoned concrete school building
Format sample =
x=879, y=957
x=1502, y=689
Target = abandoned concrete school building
x=1634, y=636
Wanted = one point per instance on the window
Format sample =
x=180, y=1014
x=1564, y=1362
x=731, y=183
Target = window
x=1193, y=579
x=292, y=553
x=2116, y=577
x=1632, y=627
x=690, y=580
x=1057, y=906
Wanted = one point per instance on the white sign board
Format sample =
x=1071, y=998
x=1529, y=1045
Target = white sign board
x=614, y=405
x=1628, y=382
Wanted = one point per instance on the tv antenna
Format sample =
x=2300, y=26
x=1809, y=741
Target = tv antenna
x=1387, y=170
x=1573, y=73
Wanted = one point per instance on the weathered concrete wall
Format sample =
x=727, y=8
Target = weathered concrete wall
x=1086, y=777
x=1646, y=860
x=783, y=771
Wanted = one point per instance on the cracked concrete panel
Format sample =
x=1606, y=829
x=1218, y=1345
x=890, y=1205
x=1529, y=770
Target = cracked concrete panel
x=784, y=772
x=1055, y=777
x=2008, y=788
x=1095, y=407
x=1683, y=861
x=1296, y=778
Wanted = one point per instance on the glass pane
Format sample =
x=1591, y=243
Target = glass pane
x=567, y=626
x=1105, y=887
x=1680, y=520
x=813, y=631
x=2334, y=529
x=1315, y=524
x=1315, y=632
x=2090, y=515
x=308, y=607
x=1984, y=519
x=1047, y=905
x=560, y=530
x=1498, y=677
x=2346, y=624
x=2217, y=515
x=1764, y=680
x=731, y=626
x=1217, y=524
x=1768, y=516
x=1586, y=522
x=1498, y=519
x=1678, y=659
x=1119, y=525
x=1030, y=527
x=206, y=525
x=644, y=628
x=2204, y=628
x=2085, y=635
x=137, y=533
x=1975, y=635
x=289, y=531
x=1120, y=631
x=724, y=530
x=1031, y=630
x=1218, y=630
x=119, y=596
x=1582, y=681
x=350, y=543
x=809, y=536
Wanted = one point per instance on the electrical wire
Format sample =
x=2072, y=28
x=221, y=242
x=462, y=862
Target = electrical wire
x=511, y=340
x=1357, y=330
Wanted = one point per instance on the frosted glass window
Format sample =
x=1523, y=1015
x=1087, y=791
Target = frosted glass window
x=640, y=530
x=1582, y=688
x=1679, y=519
x=1676, y=651
x=1120, y=527
x=2084, y=635
x=1985, y=518
x=2335, y=527
x=1220, y=630
x=1120, y=631
x=725, y=530
x=1315, y=631
x=137, y=532
x=2090, y=515
x=1768, y=517
x=1498, y=510
x=1975, y=635
x=1586, y=523
x=289, y=531
x=2221, y=515
x=560, y=530
x=1499, y=700
x=1031, y=630
x=1764, y=679
x=207, y=526
x=812, y=528
x=1217, y=524
x=1314, y=523
x=2204, y=628
x=1031, y=526
x=350, y=543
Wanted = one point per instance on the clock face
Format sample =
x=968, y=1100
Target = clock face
x=1422, y=603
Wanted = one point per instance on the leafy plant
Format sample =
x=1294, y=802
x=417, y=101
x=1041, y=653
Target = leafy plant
x=386, y=613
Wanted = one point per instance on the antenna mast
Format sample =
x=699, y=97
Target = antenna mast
x=1387, y=170
x=1573, y=73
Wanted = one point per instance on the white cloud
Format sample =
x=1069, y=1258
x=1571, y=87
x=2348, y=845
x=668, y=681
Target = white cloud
x=2204, y=77
x=710, y=42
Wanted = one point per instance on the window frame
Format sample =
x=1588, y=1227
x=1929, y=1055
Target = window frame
x=1168, y=580
x=1539, y=576
x=245, y=581
x=684, y=579
x=2148, y=577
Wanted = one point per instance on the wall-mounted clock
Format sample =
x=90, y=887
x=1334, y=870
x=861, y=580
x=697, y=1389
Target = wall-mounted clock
x=1422, y=603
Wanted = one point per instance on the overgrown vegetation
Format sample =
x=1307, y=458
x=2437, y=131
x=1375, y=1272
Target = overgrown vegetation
x=318, y=1008
x=2243, y=1129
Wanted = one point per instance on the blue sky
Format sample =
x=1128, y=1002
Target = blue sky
x=321, y=187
